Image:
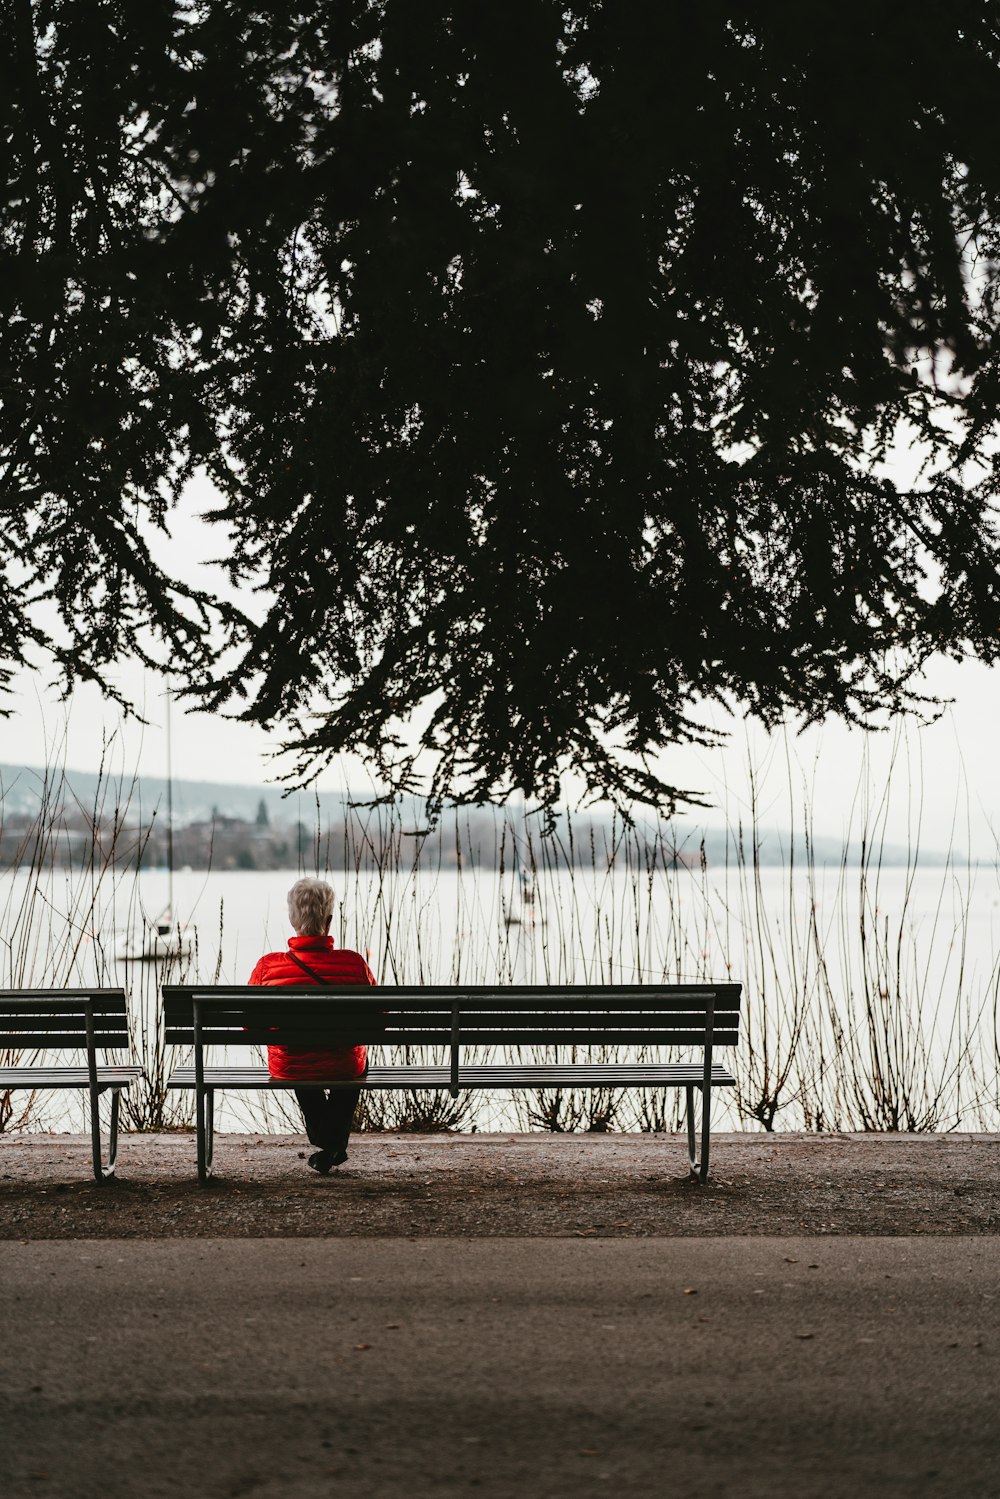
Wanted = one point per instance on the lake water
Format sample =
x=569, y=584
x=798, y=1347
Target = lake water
x=871, y=1000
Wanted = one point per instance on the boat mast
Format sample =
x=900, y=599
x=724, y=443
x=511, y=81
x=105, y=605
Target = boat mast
x=170, y=817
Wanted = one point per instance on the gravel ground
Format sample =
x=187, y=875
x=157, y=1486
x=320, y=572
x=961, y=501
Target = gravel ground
x=490, y=1186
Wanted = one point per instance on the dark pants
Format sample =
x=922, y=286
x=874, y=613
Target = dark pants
x=328, y=1115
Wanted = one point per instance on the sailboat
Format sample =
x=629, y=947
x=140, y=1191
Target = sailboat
x=523, y=909
x=159, y=940
x=166, y=936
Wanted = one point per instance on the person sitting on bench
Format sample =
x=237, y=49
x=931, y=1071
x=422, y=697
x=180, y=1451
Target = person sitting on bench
x=312, y=957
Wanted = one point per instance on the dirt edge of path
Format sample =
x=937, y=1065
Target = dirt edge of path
x=505, y=1186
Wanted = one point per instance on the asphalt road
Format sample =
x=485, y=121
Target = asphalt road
x=553, y=1367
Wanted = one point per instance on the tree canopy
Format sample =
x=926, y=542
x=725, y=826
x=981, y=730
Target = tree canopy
x=546, y=356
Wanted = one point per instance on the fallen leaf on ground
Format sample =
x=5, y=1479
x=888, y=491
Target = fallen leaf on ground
x=805, y=1334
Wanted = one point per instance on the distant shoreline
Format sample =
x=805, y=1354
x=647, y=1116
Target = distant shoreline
x=217, y=825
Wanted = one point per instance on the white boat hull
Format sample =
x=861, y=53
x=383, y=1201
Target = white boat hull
x=157, y=946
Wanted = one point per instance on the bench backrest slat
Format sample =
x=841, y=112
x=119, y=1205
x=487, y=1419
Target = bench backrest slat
x=606, y=995
x=57, y=1018
x=409, y=1015
x=322, y=1040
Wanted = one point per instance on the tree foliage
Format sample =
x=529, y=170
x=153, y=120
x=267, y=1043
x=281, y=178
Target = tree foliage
x=547, y=356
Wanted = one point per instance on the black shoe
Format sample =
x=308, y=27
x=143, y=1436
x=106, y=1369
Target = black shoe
x=324, y=1160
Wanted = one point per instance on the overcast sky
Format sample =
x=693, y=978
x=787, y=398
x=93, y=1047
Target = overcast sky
x=950, y=765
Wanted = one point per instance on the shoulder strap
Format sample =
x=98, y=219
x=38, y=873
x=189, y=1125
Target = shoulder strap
x=324, y=983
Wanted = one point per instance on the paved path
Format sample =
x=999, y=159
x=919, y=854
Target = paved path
x=537, y=1367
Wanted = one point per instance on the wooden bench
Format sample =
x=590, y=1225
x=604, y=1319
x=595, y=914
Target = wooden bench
x=445, y=1019
x=87, y=1021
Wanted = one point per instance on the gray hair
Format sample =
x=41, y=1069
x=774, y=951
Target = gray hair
x=310, y=902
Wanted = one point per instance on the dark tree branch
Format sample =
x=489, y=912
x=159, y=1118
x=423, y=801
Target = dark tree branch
x=543, y=353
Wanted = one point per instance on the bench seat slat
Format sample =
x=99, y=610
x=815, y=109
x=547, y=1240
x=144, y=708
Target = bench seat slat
x=64, y=1077
x=479, y=1075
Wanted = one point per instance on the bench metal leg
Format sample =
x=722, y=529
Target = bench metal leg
x=205, y=1120
x=699, y=1168
x=104, y=1169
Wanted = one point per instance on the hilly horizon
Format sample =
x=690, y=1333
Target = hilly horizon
x=22, y=788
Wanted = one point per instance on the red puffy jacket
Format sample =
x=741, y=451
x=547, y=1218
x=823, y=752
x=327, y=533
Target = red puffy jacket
x=336, y=965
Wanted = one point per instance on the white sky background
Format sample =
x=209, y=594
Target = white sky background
x=947, y=770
